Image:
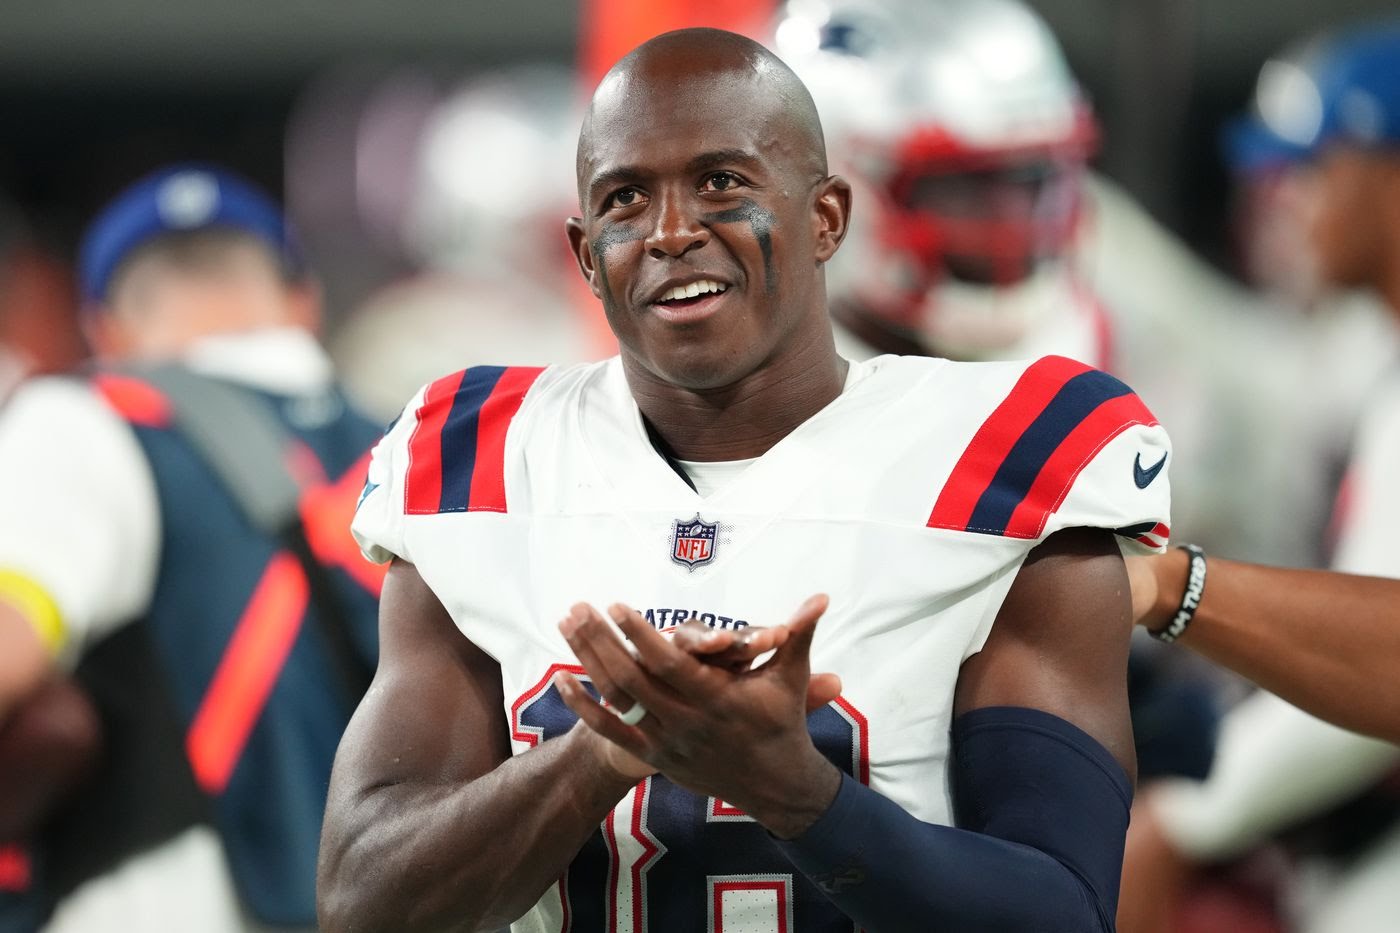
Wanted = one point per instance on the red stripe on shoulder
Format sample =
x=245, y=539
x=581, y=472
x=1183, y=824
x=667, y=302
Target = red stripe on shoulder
x=997, y=435
x=422, y=486
x=1063, y=466
x=136, y=400
x=488, y=489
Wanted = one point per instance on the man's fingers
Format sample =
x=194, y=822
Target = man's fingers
x=731, y=649
x=676, y=668
x=598, y=717
x=616, y=674
x=573, y=629
x=804, y=621
x=821, y=690
x=801, y=628
x=699, y=639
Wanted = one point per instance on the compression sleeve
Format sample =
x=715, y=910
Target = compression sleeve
x=1042, y=810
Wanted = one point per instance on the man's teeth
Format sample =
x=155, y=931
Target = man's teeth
x=693, y=290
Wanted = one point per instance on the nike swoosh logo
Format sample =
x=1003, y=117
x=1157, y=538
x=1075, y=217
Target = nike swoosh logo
x=1144, y=478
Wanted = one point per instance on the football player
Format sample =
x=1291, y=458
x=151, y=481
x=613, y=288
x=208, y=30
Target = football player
x=965, y=518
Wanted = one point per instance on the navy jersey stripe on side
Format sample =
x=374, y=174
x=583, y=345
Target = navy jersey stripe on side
x=1078, y=398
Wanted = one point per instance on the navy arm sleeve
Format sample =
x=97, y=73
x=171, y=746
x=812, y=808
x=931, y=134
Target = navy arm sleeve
x=1042, y=812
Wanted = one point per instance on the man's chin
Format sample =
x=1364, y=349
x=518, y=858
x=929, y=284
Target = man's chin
x=698, y=370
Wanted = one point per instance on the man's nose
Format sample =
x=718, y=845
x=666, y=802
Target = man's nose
x=677, y=228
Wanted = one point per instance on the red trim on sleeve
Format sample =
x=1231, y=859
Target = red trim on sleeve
x=1156, y=538
x=136, y=400
x=529, y=736
x=862, y=729
x=247, y=672
x=488, y=489
x=1053, y=483
x=422, y=488
x=989, y=447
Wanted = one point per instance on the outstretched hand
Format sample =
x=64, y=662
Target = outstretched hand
x=725, y=729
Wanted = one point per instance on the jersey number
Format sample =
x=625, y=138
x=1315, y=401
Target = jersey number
x=666, y=859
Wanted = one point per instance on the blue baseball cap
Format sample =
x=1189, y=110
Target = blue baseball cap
x=1341, y=88
x=190, y=196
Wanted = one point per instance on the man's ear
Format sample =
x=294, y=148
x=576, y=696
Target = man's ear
x=110, y=338
x=583, y=254
x=305, y=304
x=831, y=215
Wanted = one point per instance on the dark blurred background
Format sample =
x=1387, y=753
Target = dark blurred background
x=92, y=93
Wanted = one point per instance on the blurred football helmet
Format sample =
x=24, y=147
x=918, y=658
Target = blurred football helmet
x=966, y=136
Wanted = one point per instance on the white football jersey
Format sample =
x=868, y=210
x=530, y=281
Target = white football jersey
x=1370, y=501
x=912, y=499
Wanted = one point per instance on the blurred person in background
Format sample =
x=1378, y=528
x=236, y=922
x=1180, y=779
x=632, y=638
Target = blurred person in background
x=1338, y=113
x=1347, y=340
x=50, y=740
x=474, y=218
x=968, y=142
x=174, y=532
x=38, y=311
x=984, y=234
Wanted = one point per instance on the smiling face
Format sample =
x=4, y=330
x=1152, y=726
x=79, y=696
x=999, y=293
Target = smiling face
x=707, y=212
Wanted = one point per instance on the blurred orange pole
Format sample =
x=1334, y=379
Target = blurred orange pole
x=612, y=28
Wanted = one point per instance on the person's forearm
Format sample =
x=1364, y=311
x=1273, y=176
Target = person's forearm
x=1043, y=810
x=916, y=876
x=473, y=856
x=1326, y=642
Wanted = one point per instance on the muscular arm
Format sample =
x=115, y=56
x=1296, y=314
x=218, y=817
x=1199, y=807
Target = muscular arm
x=1326, y=642
x=1042, y=753
x=430, y=824
x=1060, y=643
x=1042, y=765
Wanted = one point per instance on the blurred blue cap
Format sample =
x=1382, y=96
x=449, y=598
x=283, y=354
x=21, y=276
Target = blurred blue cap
x=1250, y=146
x=181, y=197
x=1343, y=88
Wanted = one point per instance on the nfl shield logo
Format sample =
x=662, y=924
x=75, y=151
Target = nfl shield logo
x=693, y=541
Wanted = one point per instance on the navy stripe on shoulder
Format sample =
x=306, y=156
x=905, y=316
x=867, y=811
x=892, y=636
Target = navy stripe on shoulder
x=459, y=436
x=1075, y=401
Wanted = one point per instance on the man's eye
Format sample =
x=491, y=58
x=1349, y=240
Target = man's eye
x=722, y=181
x=624, y=198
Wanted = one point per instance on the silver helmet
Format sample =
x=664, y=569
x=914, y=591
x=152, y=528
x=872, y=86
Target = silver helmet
x=966, y=136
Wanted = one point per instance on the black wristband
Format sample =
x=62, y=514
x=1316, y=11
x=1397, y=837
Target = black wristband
x=1190, y=599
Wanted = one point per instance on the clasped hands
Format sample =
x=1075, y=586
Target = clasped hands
x=713, y=722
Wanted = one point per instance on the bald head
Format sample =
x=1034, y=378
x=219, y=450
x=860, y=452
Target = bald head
x=705, y=68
